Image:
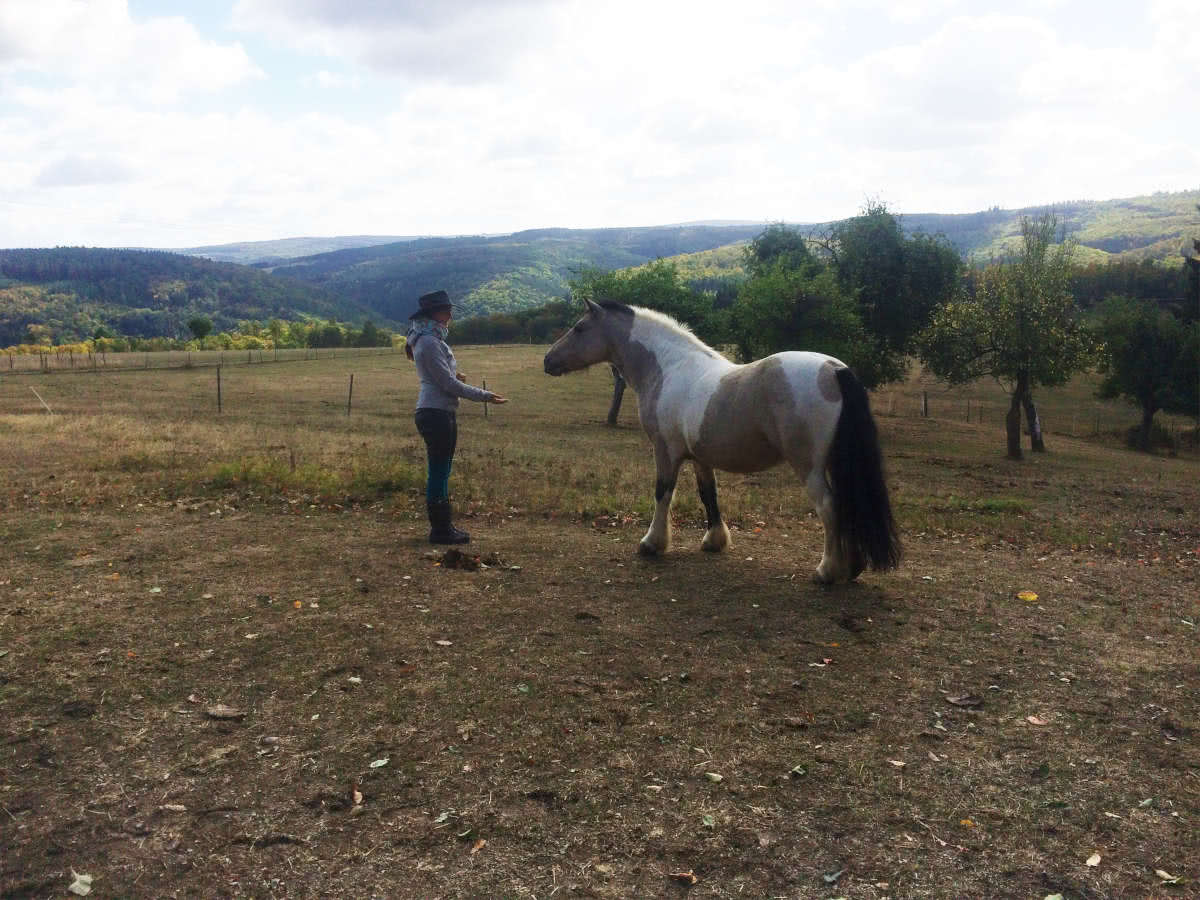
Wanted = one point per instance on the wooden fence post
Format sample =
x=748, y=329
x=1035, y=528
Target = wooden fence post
x=218, y=387
x=350, y=396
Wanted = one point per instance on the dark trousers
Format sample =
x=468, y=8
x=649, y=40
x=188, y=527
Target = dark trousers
x=439, y=429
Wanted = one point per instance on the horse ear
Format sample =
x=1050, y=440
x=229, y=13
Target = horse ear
x=590, y=306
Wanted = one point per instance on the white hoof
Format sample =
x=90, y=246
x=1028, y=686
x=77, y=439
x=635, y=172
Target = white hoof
x=716, y=539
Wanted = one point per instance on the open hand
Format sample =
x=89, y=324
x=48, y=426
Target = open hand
x=496, y=398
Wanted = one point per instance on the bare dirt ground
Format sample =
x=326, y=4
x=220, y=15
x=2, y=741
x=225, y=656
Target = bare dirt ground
x=213, y=693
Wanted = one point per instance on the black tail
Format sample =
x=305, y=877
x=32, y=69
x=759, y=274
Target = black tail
x=866, y=531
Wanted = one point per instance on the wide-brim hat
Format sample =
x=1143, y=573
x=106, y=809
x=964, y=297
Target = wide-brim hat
x=431, y=303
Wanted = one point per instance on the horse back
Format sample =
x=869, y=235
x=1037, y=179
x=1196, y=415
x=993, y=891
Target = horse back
x=784, y=406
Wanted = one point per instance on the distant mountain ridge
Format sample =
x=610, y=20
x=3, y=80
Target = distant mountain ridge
x=251, y=252
x=72, y=291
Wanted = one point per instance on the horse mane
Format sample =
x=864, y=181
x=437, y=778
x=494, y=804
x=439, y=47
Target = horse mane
x=614, y=306
x=673, y=326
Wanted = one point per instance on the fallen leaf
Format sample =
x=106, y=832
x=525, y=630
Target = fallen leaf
x=174, y=807
x=1167, y=877
x=478, y=845
x=968, y=700
x=1094, y=860
x=710, y=822
x=224, y=713
x=1027, y=596
x=356, y=795
x=444, y=643
x=714, y=777
x=380, y=763
x=832, y=877
x=797, y=771
x=688, y=877
x=1053, y=897
x=966, y=823
x=898, y=763
x=298, y=604
x=82, y=885
x=1036, y=720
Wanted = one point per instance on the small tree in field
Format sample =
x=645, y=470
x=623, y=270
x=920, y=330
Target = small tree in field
x=1019, y=326
x=1150, y=357
x=200, y=327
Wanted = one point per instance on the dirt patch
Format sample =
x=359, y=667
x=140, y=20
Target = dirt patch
x=598, y=720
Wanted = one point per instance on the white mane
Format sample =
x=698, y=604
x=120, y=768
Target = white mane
x=673, y=327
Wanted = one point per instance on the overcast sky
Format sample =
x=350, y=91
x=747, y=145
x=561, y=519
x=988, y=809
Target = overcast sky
x=174, y=124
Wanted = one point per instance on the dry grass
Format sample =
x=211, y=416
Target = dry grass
x=159, y=559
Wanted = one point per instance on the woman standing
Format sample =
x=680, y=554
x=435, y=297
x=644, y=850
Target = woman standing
x=441, y=386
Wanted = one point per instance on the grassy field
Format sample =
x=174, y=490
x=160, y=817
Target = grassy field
x=230, y=665
x=80, y=363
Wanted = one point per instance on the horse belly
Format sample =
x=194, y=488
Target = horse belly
x=737, y=450
x=731, y=434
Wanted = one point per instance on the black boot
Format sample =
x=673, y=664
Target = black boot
x=442, y=531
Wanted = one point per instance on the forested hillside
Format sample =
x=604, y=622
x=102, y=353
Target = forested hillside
x=67, y=293
x=488, y=275
x=1154, y=226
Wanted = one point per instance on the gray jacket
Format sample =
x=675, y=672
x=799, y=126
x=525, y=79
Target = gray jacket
x=438, y=371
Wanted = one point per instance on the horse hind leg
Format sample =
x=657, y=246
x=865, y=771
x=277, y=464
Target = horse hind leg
x=831, y=566
x=716, y=538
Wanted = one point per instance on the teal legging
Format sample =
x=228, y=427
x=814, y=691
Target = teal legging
x=439, y=428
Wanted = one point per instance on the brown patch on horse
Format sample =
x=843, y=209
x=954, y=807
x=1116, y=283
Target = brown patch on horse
x=640, y=367
x=734, y=433
x=827, y=381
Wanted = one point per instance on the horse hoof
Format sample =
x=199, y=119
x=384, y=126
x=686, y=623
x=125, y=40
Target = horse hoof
x=647, y=549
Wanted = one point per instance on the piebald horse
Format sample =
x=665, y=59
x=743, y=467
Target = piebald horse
x=806, y=409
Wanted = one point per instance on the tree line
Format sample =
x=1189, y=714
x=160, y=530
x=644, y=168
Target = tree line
x=878, y=298
x=276, y=334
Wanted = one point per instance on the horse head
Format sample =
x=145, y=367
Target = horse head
x=587, y=343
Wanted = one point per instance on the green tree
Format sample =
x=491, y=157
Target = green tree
x=1149, y=357
x=328, y=335
x=785, y=308
x=778, y=244
x=897, y=281
x=1019, y=326
x=656, y=285
x=200, y=326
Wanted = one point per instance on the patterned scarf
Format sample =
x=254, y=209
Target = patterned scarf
x=425, y=325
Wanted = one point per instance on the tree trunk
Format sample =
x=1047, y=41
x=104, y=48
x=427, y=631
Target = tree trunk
x=1012, y=421
x=1144, y=433
x=618, y=394
x=1035, y=424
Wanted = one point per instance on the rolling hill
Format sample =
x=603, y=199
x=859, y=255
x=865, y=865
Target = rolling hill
x=66, y=293
x=72, y=291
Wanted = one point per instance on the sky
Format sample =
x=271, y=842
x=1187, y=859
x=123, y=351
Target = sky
x=180, y=124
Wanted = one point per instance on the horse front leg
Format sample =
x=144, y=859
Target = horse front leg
x=658, y=538
x=716, y=538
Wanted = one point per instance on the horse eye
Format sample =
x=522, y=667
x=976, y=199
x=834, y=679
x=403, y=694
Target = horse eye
x=581, y=327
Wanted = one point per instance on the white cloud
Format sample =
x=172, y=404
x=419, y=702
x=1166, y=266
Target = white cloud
x=75, y=171
x=96, y=43
x=476, y=116
x=455, y=40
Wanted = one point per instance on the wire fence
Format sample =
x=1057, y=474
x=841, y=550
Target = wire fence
x=70, y=361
